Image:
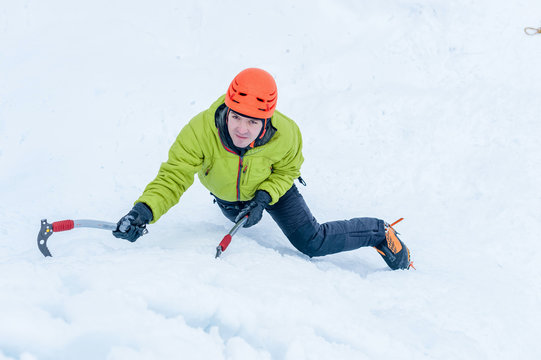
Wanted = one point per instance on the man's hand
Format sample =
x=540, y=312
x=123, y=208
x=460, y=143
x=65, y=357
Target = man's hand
x=254, y=209
x=133, y=224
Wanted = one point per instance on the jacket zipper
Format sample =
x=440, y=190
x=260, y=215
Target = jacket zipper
x=240, y=167
x=238, y=177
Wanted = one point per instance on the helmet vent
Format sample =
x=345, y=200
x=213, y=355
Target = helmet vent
x=261, y=100
x=242, y=94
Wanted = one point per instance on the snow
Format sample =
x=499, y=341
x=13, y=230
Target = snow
x=427, y=110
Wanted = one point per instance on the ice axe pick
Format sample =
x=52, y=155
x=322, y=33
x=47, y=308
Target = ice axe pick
x=47, y=230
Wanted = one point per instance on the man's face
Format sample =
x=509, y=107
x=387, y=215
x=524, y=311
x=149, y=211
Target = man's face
x=243, y=130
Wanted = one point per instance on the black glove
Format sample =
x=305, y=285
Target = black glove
x=134, y=224
x=254, y=209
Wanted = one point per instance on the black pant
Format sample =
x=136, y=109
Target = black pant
x=309, y=237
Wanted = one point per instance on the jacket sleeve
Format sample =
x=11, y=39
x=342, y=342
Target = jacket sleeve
x=286, y=170
x=176, y=175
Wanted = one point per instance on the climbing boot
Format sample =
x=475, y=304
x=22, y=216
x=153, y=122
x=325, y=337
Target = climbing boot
x=393, y=250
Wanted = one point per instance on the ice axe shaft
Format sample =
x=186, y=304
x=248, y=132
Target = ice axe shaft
x=227, y=239
x=48, y=229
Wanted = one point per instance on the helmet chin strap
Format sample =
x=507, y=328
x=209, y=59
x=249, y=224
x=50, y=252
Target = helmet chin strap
x=264, y=130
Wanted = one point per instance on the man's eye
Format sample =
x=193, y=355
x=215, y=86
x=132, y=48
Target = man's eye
x=253, y=122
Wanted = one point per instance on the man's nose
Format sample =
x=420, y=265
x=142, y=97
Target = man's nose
x=243, y=127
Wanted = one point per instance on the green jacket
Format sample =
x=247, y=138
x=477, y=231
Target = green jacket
x=198, y=149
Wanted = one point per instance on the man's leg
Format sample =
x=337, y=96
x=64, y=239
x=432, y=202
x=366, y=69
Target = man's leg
x=313, y=239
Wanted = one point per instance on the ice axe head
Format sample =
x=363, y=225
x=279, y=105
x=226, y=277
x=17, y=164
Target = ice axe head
x=44, y=233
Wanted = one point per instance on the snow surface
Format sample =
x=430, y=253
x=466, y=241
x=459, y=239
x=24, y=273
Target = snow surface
x=427, y=110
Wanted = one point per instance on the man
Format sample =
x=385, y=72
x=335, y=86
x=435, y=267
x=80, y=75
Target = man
x=248, y=155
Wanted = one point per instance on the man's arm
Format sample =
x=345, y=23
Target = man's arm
x=176, y=175
x=285, y=171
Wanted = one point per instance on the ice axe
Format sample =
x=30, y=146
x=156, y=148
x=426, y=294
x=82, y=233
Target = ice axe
x=48, y=229
x=227, y=239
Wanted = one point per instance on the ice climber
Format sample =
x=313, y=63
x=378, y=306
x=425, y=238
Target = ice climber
x=248, y=154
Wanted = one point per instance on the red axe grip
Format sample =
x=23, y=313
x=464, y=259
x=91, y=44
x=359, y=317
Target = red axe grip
x=225, y=242
x=63, y=225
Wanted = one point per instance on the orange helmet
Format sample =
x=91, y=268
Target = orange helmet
x=252, y=93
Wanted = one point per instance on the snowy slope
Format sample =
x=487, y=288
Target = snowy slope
x=427, y=110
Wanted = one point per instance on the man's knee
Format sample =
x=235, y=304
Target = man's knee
x=307, y=240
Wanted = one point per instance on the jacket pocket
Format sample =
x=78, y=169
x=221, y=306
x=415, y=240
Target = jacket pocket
x=207, y=168
x=256, y=171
